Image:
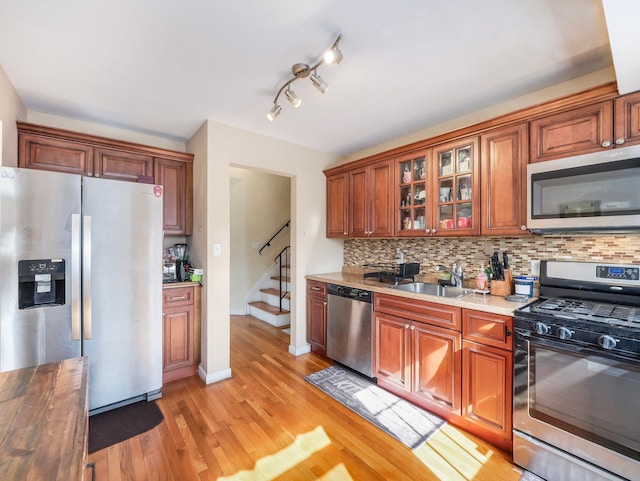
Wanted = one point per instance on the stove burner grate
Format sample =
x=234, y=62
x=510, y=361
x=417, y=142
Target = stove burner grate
x=591, y=311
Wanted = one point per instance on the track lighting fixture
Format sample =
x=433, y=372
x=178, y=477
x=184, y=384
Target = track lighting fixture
x=302, y=70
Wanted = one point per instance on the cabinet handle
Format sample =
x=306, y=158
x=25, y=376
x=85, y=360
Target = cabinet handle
x=315, y=288
x=620, y=141
x=606, y=144
x=507, y=331
x=181, y=298
x=92, y=466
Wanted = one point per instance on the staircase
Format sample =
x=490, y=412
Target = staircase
x=275, y=294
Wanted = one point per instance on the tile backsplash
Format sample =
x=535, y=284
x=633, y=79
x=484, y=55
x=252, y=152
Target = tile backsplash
x=472, y=251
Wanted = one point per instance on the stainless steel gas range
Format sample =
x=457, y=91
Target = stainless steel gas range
x=577, y=374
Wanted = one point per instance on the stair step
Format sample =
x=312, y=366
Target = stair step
x=268, y=308
x=277, y=278
x=275, y=292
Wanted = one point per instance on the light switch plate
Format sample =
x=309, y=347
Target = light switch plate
x=535, y=268
x=217, y=250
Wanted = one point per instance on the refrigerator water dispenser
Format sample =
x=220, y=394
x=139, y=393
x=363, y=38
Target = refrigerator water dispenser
x=41, y=283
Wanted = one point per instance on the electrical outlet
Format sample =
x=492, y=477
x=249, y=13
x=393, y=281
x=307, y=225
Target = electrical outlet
x=535, y=268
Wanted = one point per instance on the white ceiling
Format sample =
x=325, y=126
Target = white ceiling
x=163, y=66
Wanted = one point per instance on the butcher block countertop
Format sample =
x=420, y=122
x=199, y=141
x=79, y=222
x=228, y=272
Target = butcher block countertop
x=44, y=422
x=480, y=302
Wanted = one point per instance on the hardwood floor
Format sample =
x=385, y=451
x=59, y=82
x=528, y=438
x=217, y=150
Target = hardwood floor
x=268, y=423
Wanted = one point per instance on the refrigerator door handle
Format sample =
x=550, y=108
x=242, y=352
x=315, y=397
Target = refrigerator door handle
x=86, y=277
x=75, y=276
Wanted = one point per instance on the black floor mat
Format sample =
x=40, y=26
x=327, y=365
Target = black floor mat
x=120, y=424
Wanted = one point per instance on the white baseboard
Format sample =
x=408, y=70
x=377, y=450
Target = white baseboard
x=298, y=351
x=214, y=376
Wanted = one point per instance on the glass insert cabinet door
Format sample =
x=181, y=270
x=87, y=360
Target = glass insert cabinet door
x=412, y=194
x=455, y=180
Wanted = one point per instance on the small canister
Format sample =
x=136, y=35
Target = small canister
x=524, y=285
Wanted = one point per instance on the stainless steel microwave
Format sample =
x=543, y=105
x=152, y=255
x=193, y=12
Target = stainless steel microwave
x=590, y=192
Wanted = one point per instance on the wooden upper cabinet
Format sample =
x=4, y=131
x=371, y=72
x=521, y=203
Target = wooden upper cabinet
x=370, y=200
x=46, y=153
x=122, y=165
x=456, y=188
x=337, y=205
x=175, y=177
x=627, y=120
x=413, y=197
x=503, y=199
x=574, y=132
x=47, y=148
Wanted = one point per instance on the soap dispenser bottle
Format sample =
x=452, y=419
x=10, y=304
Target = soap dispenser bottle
x=482, y=281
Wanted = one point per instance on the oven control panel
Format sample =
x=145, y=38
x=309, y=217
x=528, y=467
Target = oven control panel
x=618, y=273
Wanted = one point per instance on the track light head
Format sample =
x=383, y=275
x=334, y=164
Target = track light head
x=274, y=112
x=293, y=99
x=318, y=82
x=334, y=54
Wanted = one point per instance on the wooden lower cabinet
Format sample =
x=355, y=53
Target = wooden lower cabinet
x=181, y=332
x=436, y=367
x=317, y=316
x=392, y=351
x=487, y=392
x=463, y=375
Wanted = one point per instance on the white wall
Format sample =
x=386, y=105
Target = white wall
x=260, y=205
x=102, y=130
x=11, y=109
x=312, y=252
x=566, y=88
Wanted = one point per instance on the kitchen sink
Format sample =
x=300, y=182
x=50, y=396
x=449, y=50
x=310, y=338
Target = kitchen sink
x=432, y=289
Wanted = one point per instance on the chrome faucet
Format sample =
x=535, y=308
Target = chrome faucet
x=457, y=276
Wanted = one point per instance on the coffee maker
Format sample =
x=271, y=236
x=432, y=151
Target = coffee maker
x=181, y=262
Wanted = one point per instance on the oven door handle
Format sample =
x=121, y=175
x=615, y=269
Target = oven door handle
x=557, y=345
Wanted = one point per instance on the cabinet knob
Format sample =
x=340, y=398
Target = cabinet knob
x=606, y=144
x=620, y=141
x=523, y=227
x=433, y=231
x=97, y=175
x=90, y=174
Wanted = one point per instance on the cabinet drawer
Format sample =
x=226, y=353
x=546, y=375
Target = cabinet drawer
x=417, y=310
x=315, y=288
x=178, y=296
x=488, y=329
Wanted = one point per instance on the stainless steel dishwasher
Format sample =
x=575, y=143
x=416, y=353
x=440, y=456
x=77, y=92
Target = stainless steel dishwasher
x=350, y=327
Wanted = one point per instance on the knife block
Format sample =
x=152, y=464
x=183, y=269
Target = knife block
x=502, y=288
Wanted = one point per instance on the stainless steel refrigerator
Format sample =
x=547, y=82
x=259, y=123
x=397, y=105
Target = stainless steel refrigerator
x=80, y=274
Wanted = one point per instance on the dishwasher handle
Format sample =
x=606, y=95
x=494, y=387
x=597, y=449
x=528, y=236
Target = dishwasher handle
x=350, y=293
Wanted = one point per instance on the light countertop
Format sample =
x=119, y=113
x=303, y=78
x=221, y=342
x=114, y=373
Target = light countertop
x=480, y=302
x=173, y=285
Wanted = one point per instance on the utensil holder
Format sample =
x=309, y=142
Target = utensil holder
x=502, y=288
